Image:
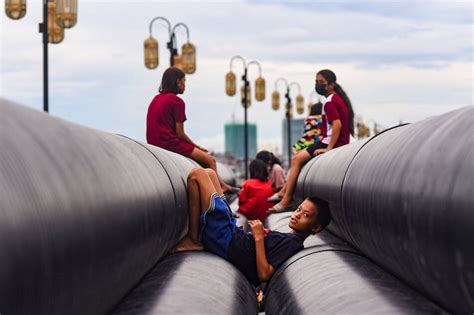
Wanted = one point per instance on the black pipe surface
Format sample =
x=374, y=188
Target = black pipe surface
x=191, y=283
x=85, y=214
x=331, y=277
x=405, y=199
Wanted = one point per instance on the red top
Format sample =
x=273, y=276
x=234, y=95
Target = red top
x=253, y=198
x=334, y=109
x=165, y=110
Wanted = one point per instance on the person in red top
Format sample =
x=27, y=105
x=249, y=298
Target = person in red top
x=338, y=125
x=165, y=122
x=255, y=192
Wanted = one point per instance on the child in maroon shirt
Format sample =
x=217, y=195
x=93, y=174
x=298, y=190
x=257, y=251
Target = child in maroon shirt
x=255, y=192
x=165, y=122
x=338, y=125
x=167, y=109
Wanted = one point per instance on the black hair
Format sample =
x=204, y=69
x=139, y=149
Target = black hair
x=258, y=170
x=324, y=214
x=331, y=78
x=169, y=82
x=265, y=156
x=316, y=109
x=268, y=157
x=275, y=160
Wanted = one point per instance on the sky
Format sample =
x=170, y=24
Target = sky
x=399, y=61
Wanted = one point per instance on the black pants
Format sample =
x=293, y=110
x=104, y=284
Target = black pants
x=315, y=146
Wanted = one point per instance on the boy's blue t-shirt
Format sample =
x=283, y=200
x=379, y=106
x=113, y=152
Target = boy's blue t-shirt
x=278, y=248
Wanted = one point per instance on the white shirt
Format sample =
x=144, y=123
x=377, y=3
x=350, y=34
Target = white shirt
x=327, y=138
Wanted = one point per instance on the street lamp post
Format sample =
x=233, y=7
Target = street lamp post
x=186, y=61
x=288, y=107
x=246, y=95
x=57, y=15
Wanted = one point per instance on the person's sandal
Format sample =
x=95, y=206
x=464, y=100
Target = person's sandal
x=275, y=198
x=281, y=208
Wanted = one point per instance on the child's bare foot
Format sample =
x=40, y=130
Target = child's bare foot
x=187, y=244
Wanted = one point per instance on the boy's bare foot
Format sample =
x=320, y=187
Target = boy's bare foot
x=187, y=244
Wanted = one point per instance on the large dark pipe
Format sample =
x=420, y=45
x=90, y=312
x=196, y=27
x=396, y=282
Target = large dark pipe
x=191, y=283
x=84, y=214
x=331, y=277
x=405, y=199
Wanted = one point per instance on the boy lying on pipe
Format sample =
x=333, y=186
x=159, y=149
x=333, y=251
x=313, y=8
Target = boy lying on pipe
x=255, y=254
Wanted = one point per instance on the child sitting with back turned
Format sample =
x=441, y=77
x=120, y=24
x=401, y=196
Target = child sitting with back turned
x=258, y=254
x=255, y=192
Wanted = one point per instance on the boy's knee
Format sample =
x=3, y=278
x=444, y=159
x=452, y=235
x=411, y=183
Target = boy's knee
x=210, y=172
x=195, y=173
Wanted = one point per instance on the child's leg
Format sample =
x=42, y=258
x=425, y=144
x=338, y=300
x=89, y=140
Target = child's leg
x=215, y=181
x=297, y=162
x=282, y=191
x=200, y=190
x=206, y=160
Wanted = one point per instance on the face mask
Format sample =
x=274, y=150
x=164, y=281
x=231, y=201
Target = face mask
x=320, y=88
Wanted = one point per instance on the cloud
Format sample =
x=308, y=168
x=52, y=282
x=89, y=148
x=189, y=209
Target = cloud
x=396, y=61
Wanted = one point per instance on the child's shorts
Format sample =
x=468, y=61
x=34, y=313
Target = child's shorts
x=217, y=226
x=315, y=146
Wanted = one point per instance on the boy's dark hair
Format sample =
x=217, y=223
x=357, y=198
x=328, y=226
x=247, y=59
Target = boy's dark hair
x=316, y=109
x=324, y=214
x=258, y=169
x=169, y=82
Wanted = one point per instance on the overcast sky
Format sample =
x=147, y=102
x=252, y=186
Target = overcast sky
x=397, y=60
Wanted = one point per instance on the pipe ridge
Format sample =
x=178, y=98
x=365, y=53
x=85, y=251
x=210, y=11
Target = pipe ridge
x=139, y=282
x=283, y=268
x=352, y=160
x=151, y=152
x=452, y=185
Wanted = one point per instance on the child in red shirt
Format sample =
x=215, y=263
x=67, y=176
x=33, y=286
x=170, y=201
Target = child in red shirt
x=255, y=192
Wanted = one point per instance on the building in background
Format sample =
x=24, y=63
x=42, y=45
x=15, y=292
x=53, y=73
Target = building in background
x=234, y=140
x=297, y=128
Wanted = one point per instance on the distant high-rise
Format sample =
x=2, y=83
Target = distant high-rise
x=234, y=139
x=297, y=129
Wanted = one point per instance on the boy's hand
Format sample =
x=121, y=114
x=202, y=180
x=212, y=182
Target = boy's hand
x=257, y=229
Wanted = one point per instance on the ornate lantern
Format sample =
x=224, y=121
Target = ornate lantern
x=275, y=100
x=178, y=61
x=300, y=104
x=249, y=95
x=260, y=89
x=230, y=85
x=15, y=9
x=151, y=53
x=66, y=13
x=55, y=32
x=189, y=58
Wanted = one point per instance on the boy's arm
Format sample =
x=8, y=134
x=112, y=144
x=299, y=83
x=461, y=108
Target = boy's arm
x=264, y=269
